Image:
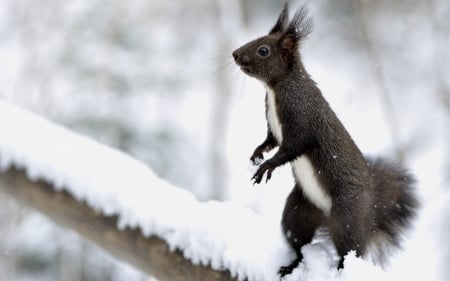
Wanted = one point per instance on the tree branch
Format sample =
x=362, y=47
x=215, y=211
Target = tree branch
x=149, y=254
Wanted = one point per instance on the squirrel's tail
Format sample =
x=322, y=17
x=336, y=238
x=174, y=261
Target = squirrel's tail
x=394, y=208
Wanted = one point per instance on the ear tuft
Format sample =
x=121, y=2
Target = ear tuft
x=299, y=27
x=282, y=22
x=301, y=24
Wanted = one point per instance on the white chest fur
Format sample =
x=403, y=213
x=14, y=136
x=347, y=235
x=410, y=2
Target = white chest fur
x=301, y=166
x=272, y=117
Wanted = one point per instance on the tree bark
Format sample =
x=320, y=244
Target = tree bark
x=149, y=254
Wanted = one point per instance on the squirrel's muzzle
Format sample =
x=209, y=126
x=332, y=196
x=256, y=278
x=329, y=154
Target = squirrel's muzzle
x=239, y=58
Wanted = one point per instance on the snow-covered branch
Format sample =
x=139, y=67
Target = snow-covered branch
x=150, y=254
x=119, y=203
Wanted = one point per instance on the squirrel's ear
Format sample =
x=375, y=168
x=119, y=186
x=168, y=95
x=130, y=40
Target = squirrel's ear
x=299, y=27
x=288, y=43
x=282, y=22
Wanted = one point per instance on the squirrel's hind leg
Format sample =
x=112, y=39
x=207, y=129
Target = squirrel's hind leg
x=299, y=223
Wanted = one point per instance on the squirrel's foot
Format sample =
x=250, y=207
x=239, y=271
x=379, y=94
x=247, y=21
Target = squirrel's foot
x=286, y=270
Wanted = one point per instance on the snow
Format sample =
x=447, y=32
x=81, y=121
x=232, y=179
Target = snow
x=220, y=234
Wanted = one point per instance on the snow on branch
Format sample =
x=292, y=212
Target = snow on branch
x=126, y=199
x=149, y=254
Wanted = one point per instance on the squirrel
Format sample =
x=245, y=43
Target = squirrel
x=363, y=202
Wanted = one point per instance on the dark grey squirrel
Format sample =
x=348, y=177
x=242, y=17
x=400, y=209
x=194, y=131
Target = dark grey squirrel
x=364, y=202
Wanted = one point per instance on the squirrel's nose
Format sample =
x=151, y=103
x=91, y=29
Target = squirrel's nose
x=240, y=58
x=236, y=56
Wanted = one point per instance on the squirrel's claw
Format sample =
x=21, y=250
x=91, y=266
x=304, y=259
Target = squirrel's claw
x=257, y=178
x=265, y=167
x=286, y=270
x=269, y=174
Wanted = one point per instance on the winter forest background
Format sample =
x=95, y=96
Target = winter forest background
x=156, y=80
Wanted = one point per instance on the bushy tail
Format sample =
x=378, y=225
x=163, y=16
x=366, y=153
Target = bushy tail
x=394, y=208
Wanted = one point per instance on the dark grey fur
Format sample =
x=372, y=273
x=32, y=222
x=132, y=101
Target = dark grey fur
x=372, y=199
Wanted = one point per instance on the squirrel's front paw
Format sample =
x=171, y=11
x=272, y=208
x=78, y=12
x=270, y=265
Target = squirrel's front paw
x=265, y=167
x=257, y=156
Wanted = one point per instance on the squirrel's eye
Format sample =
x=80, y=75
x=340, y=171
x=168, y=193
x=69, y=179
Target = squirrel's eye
x=263, y=51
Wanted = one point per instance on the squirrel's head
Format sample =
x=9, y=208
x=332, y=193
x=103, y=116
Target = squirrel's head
x=275, y=54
